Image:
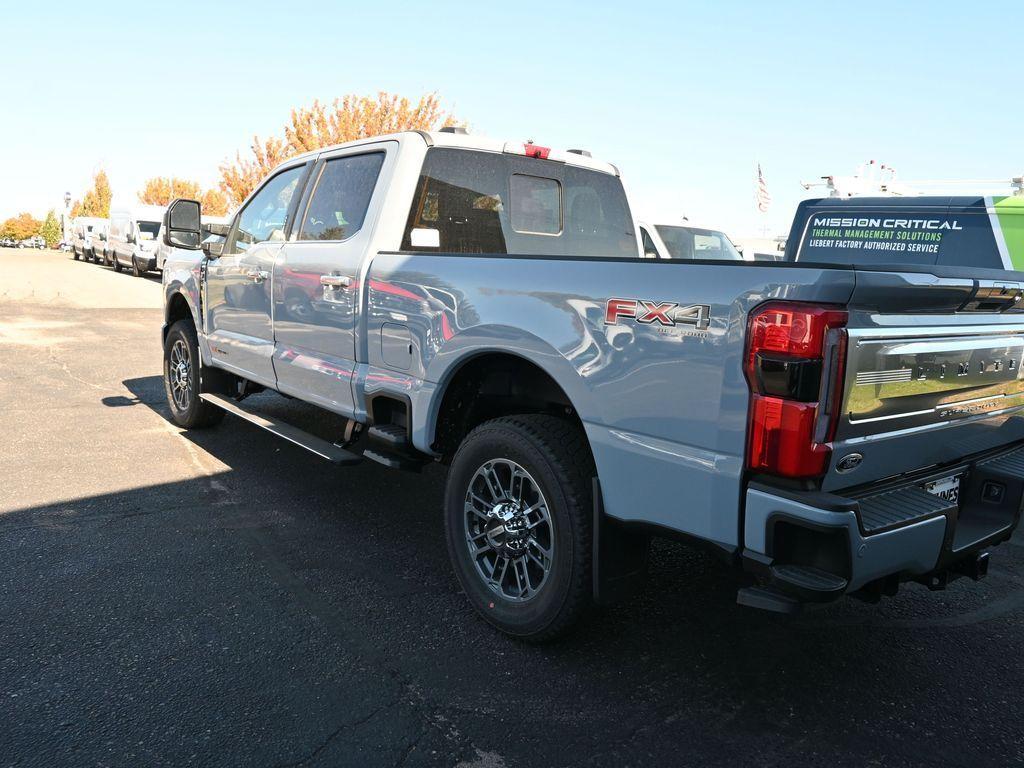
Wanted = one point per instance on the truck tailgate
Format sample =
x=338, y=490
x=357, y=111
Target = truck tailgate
x=933, y=375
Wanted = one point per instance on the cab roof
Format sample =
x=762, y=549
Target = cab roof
x=472, y=142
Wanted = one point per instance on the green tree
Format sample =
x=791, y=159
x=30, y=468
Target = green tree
x=51, y=230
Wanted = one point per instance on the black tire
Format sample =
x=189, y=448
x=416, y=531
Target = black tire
x=135, y=268
x=197, y=413
x=555, y=454
x=117, y=264
x=75, y=254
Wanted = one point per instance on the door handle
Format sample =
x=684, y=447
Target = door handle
x=258, y=275
x=336, y=281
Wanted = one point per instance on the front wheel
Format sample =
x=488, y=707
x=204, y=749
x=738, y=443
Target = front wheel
x=518, y=520
x=117, y=264
x=185, y=377
x=135, y=267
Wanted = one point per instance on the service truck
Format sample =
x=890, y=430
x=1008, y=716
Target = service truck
x=829, y=429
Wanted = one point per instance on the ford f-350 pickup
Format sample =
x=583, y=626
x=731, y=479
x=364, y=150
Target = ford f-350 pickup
x=828, y=428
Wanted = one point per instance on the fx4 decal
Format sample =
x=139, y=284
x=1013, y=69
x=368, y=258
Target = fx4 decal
x=663, y=313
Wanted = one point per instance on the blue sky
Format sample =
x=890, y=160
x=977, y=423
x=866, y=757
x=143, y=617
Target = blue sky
x=683, y=97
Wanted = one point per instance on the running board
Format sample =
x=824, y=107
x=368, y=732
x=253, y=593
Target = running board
x=312, y=443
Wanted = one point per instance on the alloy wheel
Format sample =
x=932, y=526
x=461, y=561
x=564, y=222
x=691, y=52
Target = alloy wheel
x=179, y=374
x=509, y=530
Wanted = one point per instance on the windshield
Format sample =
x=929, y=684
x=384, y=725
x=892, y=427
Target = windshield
x=694, y=243
x=148, y=230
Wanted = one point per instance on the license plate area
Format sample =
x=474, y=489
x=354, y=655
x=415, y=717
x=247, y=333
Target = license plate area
x=947, y=488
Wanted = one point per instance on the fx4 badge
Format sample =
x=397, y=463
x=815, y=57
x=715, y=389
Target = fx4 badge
x=663, y=313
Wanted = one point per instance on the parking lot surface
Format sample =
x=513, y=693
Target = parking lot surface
x=223, y=598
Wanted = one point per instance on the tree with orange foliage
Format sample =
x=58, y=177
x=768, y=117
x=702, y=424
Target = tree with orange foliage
x=238, y=180
x=311, y=128
x=96, y=201
x=160, y=190
x=215, y=203
x=20, y=227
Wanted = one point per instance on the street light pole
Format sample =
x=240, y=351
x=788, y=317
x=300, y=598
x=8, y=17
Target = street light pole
x=65, y=217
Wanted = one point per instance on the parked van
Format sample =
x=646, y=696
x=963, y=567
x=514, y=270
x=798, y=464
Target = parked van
x=99, y=242
x=682, y=241
x=81, y=236
x=133, y=237
x=164, y=251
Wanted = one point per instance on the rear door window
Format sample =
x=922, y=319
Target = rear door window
x=341, y=197
x=486, y=202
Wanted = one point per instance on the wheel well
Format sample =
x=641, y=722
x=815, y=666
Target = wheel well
x=177, y=309
x=493, y=385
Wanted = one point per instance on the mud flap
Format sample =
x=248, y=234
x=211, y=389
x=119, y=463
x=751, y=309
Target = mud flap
x=619, y=557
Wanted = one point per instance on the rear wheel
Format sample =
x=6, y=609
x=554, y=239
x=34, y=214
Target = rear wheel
x=75, y=254
x=185, y=377
x=518, y=519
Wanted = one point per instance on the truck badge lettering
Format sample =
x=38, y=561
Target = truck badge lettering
x=667, y=313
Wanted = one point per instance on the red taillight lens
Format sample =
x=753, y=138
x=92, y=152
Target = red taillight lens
x=794, y=363
x=791, y=330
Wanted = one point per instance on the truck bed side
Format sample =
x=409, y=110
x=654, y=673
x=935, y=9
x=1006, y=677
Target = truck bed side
x=665, y=407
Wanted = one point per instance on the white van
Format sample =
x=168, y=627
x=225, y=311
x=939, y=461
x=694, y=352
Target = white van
x=133, y=236
x=164, y=251
x=684, y=241
x=82, y=235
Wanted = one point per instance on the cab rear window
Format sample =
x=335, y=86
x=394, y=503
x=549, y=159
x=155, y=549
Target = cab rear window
x=485, y=202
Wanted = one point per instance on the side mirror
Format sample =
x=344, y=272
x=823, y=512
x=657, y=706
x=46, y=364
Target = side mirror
x=129, y=237
x=181, y=227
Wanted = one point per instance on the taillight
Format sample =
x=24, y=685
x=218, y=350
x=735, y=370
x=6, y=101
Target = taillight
x=794, y=365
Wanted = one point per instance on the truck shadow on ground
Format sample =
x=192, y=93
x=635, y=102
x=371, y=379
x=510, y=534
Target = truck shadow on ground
x=362, y=549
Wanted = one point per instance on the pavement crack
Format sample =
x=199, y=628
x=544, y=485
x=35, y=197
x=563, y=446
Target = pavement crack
x=410, y=748
x=334, y=734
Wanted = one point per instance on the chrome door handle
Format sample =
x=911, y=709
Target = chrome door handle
x=336, y=281
x=258, y=275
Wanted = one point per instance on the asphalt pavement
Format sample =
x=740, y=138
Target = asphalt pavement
x=224, y=598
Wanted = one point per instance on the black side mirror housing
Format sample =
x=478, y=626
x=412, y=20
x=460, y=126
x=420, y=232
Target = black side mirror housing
x=181, y=226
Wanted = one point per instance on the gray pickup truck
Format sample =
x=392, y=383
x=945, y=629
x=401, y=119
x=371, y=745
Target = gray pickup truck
x=827, y=428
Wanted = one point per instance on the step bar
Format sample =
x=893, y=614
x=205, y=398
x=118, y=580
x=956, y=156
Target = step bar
x=322, y=448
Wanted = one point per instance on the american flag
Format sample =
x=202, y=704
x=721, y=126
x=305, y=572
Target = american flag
x=764, y=199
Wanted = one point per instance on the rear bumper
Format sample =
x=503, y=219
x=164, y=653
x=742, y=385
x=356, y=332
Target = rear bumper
x=881, y=535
